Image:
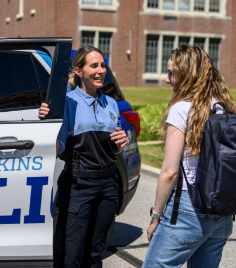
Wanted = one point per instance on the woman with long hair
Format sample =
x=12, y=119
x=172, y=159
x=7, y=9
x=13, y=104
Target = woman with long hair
x=197, y=238
x=88, y=141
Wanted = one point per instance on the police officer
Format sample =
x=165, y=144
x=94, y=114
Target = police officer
x=88, y=140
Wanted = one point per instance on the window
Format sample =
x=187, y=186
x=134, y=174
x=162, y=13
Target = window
x=101, y=40
x=88, y=39
x=152, y=53
x=23, y=88
x=214, y=52
x=200, y=42
x=199, y=5
x=105, y=5
x=169, y=4
x=159, y=45
x=184, y=40
x=184, y=5
x=168, y=46
x=153, y=4
x=43, y=78
x=105, y=45
x=191, y=7
x=214, y=6
x=105, y=2
x=90, y=2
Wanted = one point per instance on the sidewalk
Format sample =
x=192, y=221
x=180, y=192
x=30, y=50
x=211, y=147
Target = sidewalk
x=149, y=142
x=150, y=172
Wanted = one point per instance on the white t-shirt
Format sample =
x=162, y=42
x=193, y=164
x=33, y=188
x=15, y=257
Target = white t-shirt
x=178, y=117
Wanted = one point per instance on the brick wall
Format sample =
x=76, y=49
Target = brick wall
x=62, y=18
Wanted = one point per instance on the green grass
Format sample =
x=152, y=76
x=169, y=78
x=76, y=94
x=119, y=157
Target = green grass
x=143, y=136
x=152, y=155
x=233, y=94
x=141, y=96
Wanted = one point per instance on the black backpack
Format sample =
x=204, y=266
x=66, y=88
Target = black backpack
x=214, y=190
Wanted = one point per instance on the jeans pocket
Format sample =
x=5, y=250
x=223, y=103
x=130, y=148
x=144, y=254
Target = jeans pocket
x=190, y=228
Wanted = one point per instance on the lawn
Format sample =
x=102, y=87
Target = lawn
x=141, y=96
x=152, y=155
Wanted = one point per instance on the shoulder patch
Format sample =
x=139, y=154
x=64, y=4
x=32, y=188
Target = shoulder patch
x=112, y=116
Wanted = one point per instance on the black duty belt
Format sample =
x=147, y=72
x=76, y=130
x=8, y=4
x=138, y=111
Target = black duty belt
x=88, y=173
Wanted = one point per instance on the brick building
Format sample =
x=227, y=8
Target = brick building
x=136, y=35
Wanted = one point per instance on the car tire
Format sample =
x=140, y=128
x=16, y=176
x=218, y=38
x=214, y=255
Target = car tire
x=109, y=235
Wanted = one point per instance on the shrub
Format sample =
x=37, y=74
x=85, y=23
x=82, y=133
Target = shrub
x=150, y=117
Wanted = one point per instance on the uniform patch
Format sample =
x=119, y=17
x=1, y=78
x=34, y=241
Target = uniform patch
x=112, y=116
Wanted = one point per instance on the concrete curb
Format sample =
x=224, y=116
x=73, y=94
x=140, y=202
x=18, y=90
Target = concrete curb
x=150, y=172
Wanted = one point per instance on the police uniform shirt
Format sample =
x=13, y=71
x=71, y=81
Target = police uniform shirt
x=86, y=128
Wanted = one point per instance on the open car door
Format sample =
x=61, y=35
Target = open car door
x=32, y=71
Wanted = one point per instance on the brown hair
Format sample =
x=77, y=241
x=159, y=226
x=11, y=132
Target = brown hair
x=198, y=80
x=79, y=61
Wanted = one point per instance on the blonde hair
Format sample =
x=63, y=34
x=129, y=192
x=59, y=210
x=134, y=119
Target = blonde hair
x=79, y=61
x=198, y=80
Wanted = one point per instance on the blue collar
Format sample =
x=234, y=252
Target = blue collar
x=89, y=99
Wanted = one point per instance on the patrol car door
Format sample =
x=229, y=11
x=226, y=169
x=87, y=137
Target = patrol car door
x=32, y=71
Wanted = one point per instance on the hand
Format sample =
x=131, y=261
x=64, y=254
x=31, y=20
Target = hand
x=152, y=228
x=120, y=137
x=43, y=110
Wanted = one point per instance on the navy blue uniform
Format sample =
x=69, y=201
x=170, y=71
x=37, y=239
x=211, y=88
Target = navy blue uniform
x=87, y=206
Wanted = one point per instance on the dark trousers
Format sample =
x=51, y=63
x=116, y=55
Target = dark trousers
x=86, y=211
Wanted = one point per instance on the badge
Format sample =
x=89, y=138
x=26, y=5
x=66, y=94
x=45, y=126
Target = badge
x=112, y=116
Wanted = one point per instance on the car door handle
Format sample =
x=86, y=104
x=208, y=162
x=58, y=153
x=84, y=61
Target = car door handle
x=18, y=145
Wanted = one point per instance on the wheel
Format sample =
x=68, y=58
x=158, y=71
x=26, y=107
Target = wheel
x=109, y=235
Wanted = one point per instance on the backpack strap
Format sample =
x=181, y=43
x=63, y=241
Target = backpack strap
x=177, y=196
x=178, y=193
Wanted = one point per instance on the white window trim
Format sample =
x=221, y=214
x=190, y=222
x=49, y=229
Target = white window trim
x=162, y=76
x=97, y=6
x=179, y=13
x=20, y=15
x=97, y=30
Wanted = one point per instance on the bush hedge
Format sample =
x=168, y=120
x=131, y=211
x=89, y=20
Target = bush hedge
x=150, y=117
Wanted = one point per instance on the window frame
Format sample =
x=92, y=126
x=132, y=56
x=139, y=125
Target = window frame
x=191, y=12
x=97, y=6
x=98, y=30
x=162, y=76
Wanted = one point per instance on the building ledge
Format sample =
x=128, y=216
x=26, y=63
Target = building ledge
x=187, y=14
x=154, y=76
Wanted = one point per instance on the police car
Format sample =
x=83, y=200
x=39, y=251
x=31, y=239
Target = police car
x=33, y=71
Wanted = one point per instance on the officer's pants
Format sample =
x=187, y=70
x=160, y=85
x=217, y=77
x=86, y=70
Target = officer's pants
x=86, y=211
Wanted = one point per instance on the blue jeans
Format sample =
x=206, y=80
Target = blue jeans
x=197, y=238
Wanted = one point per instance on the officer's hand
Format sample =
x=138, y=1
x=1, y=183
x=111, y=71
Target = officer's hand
x=120, y=137
x=43, y=110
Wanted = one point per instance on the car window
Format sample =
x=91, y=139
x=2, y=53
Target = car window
x=24, y=81
x=43, y=78
x=19, y=86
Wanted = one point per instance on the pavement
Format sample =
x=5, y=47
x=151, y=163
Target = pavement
x=129, y=243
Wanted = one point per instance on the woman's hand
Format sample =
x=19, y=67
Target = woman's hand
x=120, y=137
x=43, y=110
x=152, y=228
